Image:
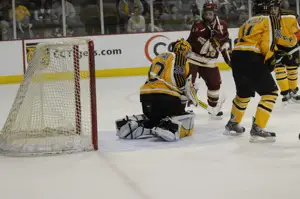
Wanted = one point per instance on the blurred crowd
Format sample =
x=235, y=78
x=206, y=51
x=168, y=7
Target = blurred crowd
x=46, y=19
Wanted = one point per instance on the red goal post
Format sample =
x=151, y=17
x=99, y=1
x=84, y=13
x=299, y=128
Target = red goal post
x=55, y=109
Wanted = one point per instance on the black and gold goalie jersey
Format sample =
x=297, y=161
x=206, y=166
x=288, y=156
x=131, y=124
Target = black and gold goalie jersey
x=259, y=34
x=166, y=77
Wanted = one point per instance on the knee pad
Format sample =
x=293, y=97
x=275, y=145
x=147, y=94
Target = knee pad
x=132, y=127
x=171, y=129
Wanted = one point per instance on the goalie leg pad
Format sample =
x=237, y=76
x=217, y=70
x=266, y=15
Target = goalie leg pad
x=187, y=124
x=139, y=118
x=133, y=130
x=171, y=129
x=132, y=127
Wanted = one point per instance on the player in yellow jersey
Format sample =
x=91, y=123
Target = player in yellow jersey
x=287, y=72
x=164, y=96
x=253, y=60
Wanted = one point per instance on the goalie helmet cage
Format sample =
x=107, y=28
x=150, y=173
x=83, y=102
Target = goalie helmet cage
x=54, y=111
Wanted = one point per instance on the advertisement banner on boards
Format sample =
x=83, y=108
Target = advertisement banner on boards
x=122, y=51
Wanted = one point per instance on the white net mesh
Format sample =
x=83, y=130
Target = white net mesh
x=51, y=113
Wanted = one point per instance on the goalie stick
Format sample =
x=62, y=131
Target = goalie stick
x=289, y=53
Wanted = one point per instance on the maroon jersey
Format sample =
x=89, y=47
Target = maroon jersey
x=206, y=42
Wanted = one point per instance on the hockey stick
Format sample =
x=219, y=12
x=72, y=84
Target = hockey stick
x=289, y=53
x=219, y=24
x=199, y=102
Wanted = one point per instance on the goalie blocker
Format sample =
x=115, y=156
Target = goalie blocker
x=164, y=97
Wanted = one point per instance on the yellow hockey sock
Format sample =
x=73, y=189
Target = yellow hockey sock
x=264, y=109
x=281, y=77
x=239, y=105
x=292, y=75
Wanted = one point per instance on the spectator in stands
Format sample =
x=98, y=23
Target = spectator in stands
x=5, y=20
x=56, y=16
x=192, y=16
x=90, y=17
x=110, y=18
x=172, y=19
x=125, y=8
x=228, y=10
x=23, y=22
x=285, y=4
x=157, y=20
x=136, y=23
x=42, y=18
x=146, y=13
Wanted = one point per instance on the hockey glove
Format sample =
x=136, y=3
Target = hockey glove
x=226, y=53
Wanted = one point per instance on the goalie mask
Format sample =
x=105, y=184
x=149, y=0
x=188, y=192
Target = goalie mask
x=209, y=12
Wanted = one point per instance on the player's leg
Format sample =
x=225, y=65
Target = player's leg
x=159, y=106
x=265, y=85
x=155, y=108
x=244, y=91
x=283, y=83
x=212, y=78
x=287, y=77
x=167, y=118
x=292, y=76
x=194, y=71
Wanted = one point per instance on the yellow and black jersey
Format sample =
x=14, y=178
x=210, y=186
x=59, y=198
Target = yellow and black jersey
x=289, y=27
x=258, y=35
x=164, y=77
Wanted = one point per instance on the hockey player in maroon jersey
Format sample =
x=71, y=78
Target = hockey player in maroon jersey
x=208, y=37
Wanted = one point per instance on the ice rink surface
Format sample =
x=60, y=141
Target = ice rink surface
x=207, y=165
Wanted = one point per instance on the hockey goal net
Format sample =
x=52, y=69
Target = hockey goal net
x=55, y=108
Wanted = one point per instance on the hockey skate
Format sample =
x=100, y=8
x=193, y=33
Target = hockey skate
x=294, y=95
x=215, y=112
x=233, y=128
x=260, y=135
x=286, y=98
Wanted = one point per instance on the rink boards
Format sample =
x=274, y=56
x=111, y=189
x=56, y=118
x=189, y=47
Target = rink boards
x=115, y=55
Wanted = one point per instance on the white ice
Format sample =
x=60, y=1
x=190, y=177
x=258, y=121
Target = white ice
x=207, y=165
